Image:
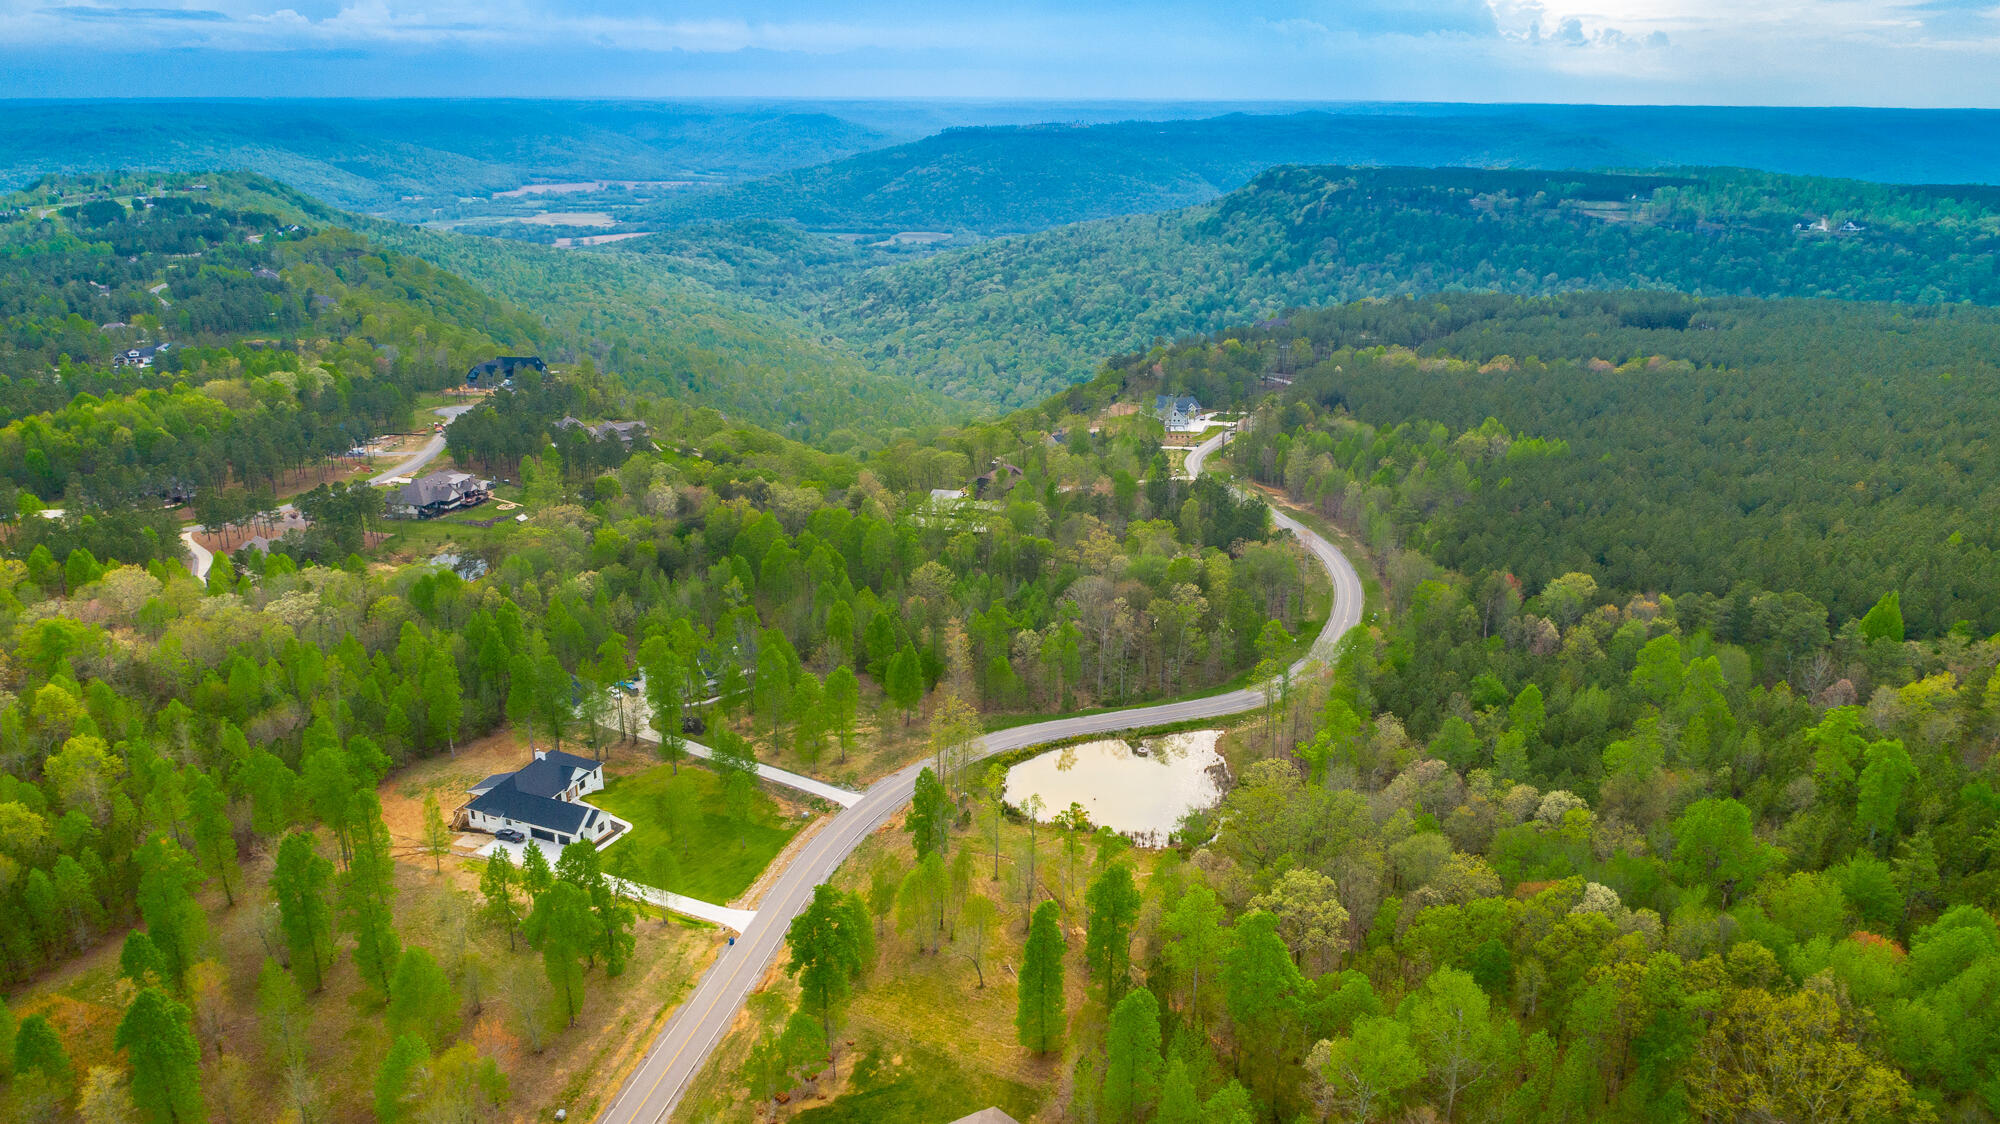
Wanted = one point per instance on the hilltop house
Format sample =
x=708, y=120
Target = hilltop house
x=1178, y=411
x=493, y=370
x=139, y=356
x=996, y=480
x=543, y=801
x=429, y=496
x=626, y=432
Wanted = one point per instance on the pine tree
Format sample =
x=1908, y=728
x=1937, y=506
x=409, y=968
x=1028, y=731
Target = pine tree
x=929, y=818
x=39, y=1049
x=214, y=835
x=139, y=961
x=905, y=682
x=420, y=998
x=299, y=883
x=8, y=1029
x=665, y=697
x=1038, y=1018
x=809, y=719
x=174, y=919
x=579, y=864
x=1179, y=1103
x=164, y=1057
x=562, y=927
x=843, y=701
x=76, y=896
x=1132, y=1057
x=536, y=877
x=1111, y=908
x=368, y=896
x=281, y=1013
x=1262, y=987
x=399, y=1080
x=496, y=884
x=437, y=833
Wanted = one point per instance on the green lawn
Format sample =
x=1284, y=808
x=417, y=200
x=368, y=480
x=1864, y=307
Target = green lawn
x=422, y=538
x=914, y=1085
x=718, y=860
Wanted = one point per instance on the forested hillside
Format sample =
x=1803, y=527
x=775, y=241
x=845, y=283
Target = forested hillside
x=274, y=342
x=179, y=751
x=1529, y=852
x=410, y=156
x=1012, y=320
x=1723, y=448
x=290, y=338
x=1031, y=177
x=673, y=334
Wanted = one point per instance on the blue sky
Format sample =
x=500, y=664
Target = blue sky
x=1778, y=52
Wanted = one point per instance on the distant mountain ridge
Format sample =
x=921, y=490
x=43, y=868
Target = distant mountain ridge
x=994, y=167
x=366, y=155
x=1016, y=179
x=1010, y=320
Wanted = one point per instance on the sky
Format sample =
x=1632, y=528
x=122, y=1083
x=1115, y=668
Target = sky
x=1707, y=52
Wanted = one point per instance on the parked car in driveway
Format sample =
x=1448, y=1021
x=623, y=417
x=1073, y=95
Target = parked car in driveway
x=509, y=835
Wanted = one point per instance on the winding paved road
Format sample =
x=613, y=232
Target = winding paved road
x=203, y=558
x=662, y=1075
x=428, y=453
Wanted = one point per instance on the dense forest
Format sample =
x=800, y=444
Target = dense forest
x=671, y=334
x=1660, y=787
x=289, y=339
x=410, y=157
x=167, y=739
x=1012, y=320
x=1540, y=850
x=1725, y=448
x=997, y=180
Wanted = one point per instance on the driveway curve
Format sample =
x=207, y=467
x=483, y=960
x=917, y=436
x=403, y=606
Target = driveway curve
x=428, y=453
x=663, y=1074
x=203, y=558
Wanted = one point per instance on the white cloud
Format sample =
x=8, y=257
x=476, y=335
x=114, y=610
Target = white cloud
x=1778, y=51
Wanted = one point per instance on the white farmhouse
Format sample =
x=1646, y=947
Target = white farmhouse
x=1179, y=412
x=544, y=801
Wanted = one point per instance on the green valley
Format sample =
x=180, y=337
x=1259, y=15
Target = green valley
x=1099, y=620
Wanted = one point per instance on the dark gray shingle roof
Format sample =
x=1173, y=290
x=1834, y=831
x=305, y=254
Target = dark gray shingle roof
x=508, y=802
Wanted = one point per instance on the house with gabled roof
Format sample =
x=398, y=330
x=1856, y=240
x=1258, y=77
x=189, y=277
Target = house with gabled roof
x=544, y=801
x=437, y=493
x=1178, y=411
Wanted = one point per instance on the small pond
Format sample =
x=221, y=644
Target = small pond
x=1141, y=791
x=469, y=567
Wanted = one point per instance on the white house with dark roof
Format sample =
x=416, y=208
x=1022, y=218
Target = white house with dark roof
x=1179, y=412
x=544, y=801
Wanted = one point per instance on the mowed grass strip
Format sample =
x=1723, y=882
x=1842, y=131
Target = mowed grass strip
x=719, y=857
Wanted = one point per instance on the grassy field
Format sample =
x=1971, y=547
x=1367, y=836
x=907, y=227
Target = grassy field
x=415, y=539
x=719, y=858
